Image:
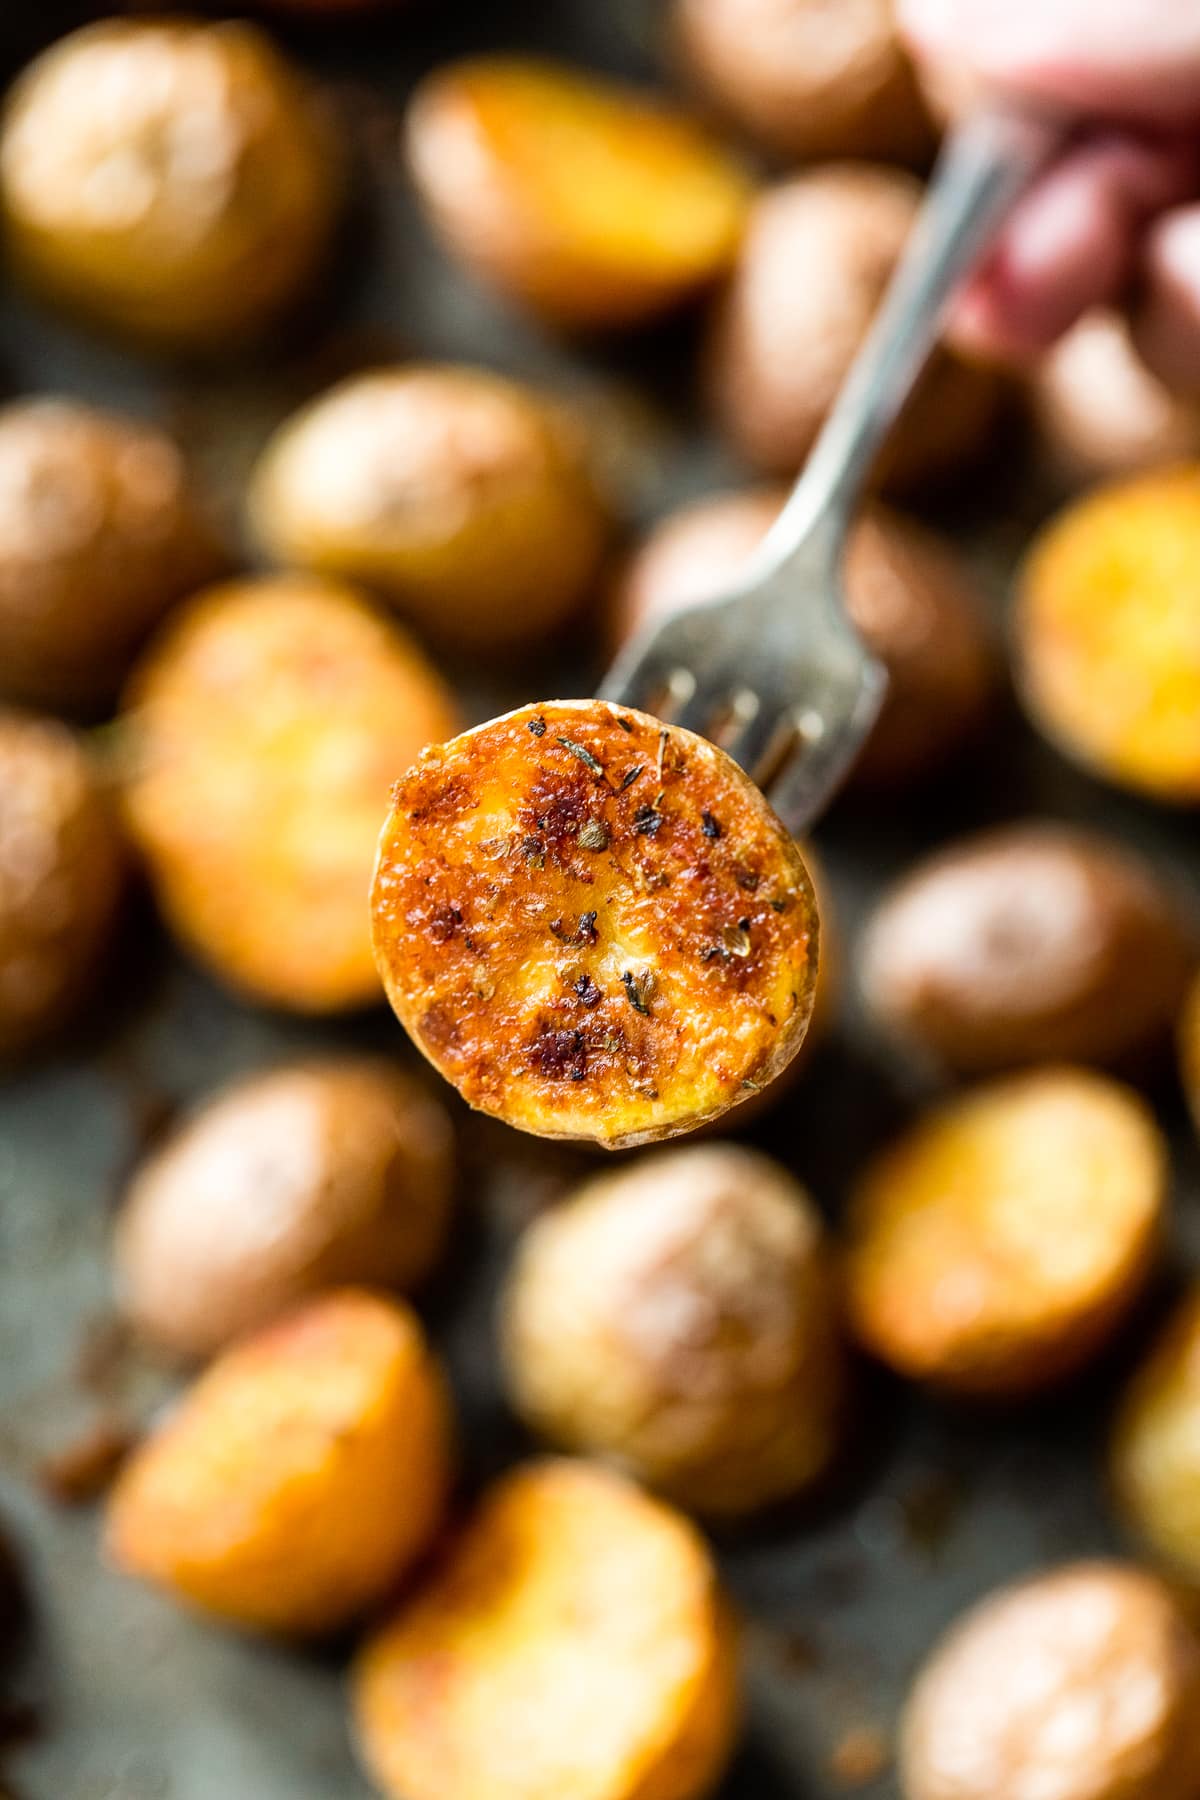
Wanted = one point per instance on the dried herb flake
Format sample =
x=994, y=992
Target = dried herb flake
x=709, y=825
x=587, y=991
x=647, y=821
x=537, y=726
x=625, y=724
x=630, y=776
x=638, y=991
x=593, y=835
x=582, y=753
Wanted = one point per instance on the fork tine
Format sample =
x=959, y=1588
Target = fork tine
x=759, y=739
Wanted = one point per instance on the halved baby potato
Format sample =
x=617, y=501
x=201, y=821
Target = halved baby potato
x=1155, y=1458
x=593, y=924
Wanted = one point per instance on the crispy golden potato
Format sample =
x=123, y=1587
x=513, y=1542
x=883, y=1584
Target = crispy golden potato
x=575, y=1646
x=1156, y=1445
x=591, y=203
x=996, y=1244
x=171, y=180
x=1079, y=1684
x=1107, y=646
x=464, y=498
x=907, y=593
x=805, y=81
x=264, y=727
x=1189, y=1049
x=303, y=1178
x=61, y=876
x=1099, y=410
x=679, y=1317
x=816, y=257
x=299, y=1477
x=594, y=926
x=1033, y=942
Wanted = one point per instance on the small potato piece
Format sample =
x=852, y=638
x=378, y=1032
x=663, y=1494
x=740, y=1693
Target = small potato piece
x=1108, y=632
x=61, y=876
x=593, y=204
x=303, y=1178
x=593, y=926
x=1101, y=412
x=297, y=1480
x=575, y=1646
x=1156, y=1445
x=995, y=1246
x=100, y=531
x=1034, y=942
x=167, y=179
x=462, y=497
x=265, y=725
x=1080, y=1684
x=679, y=1317
x=906, y=591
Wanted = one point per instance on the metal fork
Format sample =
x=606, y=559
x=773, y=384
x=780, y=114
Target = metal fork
x=774, y=670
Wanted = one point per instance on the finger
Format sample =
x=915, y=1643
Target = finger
x=1166, y=322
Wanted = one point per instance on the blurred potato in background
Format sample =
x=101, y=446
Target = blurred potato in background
x=1100, y=411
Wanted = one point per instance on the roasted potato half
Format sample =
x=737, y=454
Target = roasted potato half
x=1108, y=652
x=679, y=1317
x=263, y=728
x=574, y=1646
x=1081, y=1684
x=167, y=179
x=996, y=1244
x=1099, y=410
x=299, y=1477
x=591, y=203
x=594, y=926
x=306, y=1177
x=464, y=498
x=1156, y=1445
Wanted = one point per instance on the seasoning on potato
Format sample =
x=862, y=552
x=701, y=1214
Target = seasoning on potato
x=1107, y=643
x=168, y=179
x=299, y=1477
x=906, y=592
x=264, y=727
x=575, y=1646
x=306, y=1177
x=995, y=1246
x=464, y=498
x=593, y=925
x=1079, y=1684
x=679, y=1317
x=1100, y=411
x=1156, y=1445
x=1033, y=942
x=590, y=203
x=61, y=877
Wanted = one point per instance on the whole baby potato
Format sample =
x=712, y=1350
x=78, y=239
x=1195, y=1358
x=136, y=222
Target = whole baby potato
x=299, y=1477
x=170, y=180
x=302, y=1178
x=462, y=497
x=1024, y=944
x=1156, y=1445
x=1079, y=1684
x=265, y=726
x=1100, y=411
x=573, y=1646
x=679, y=1318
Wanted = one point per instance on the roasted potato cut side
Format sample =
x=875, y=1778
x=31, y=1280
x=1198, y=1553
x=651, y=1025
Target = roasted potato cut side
x=1156, y=1445
x=1101, y=412
x=573, y=1647
x=593, y=925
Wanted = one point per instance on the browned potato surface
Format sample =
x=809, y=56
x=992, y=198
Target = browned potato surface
x=1079, y=1684
x=594, y=926
x=464, y=498
x=998, y=1242
x=61, y=870
x=168, y=179
x=302, y=1178
x=1156, y=1446
x=591, y=203
x=1024, y=944
x=299, y=1477
x=265, y=725
x=679, y=1317
x=1101, y=412
x=574, y=1647
x=1107, y=645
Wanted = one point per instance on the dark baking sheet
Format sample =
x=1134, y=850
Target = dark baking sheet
x=115, y=1694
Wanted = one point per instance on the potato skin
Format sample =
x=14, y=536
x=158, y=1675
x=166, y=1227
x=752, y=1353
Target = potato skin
x=169, y=180
x=299, y=1477
x=575, y=1646
x=265, y=724
x=586, y=201
x=1034, y=942
x=996, y=1244
x=463, y=498
x=1079, y=1684
x=302, y=1178
x=1155, y=1462
x=1099, y=410
x=593, y=926
x=679, y=1317
x=1189, y=1050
